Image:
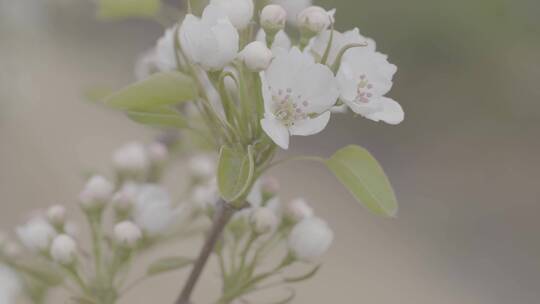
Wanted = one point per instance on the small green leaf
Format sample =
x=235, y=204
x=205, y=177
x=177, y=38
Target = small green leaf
x=356, y=168
x=160, y=117
x=156, y=91
x=168, y=264
x=118, y=9
x=235, y=173
x=304, y=277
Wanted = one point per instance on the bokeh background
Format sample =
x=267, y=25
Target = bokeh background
x=465, y=163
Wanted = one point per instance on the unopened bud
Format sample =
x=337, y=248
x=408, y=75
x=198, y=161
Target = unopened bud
x=256, y=56
x=263, y=220
x=63, y=249
x=298, y=210
x=310, y=239
x=124, y=199
x=131, y=158
x=96, y=192
x=273, y=18
x=314, y=20
x=270, y=185
x=127, y=234
x=57, y=215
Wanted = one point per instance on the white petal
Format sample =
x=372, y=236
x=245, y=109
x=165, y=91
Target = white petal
x=310, y=126
x=391, y=112
x=318, y=87
x=276, y=131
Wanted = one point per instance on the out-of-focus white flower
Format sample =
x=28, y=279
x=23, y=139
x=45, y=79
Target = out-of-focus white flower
x=96, y=192
x=146, y=64
x=63, y=249
x=165, y=57
x=210, y=41
x=10, y=285
x=57, y=215
x=298, y=94
x=293, y=8
x=239, y=12
x=364, y=78
x=202, y=166
x=256, y=56
x=127, y=233
x=317, y=46
x=131, y=158
x=124, y=198
x=157, y=152
x=298, y=210
x=153, y=211
x=273, y=18
x=205, y=196
x=281, y=40
x=264, y=220
x=315, y=19
x=310, y=239
x=36, y=234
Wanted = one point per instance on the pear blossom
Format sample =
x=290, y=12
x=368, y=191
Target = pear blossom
x=210, y=41
x=57, y=215
x=256, y=56
x=273, y=18
x=318, y=45
x=153, y=211
x=96, y=192
x=206, y=195
x=165, y=52
x=281, y=40
x=310, y=239
x=63, y=249
x=131, y=158
x=297, y=95
x=364, y=78
x=263, y=220
x=315, y=19
x=270, y=185
x=298, y=210
x=10, y=285
x=124, y=198
x=36, y=234
x=127, y=233
x=202, y=166
x=293, y=8
x=239, y=12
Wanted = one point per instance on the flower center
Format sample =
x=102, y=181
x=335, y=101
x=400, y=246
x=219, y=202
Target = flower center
x=363, y=88
x=288, y=107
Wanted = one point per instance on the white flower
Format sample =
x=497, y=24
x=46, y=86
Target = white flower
x=202, y=166
x=256, y=56
x=157, y=152
x=318, y=44
x=297, y=96
x=298, y=210
x=315, y=19
x=211, y=41
x=273, y=18
x=57, y=215
x=36, y=234
x=364, y=78
x=165, y=56
x=153, y=211
x=239, y=12
x=310, y=239
x=63, y=249
x=293, y=8
x=281, y=40
x=96, y=192
x=131, y=157
x=264, y=220
x=10, y=285
x=127, y=233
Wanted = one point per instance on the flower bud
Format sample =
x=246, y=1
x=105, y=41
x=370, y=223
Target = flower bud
x=96, y=192
x=256, y=56
x=36, y=234
x=239, y=12
x=310, y=239
x=273, y=18
x=57, y=215
x=314, y=20
x=298, y=210
x=157, y=152
x=270, y=185
x=263, y=220
x=127, y=234
x=293, y=8
x=131, y=158
x=63, y=249
x=124, y=199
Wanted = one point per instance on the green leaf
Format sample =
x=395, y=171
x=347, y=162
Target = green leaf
x=118, y=9
x=168, y=264
x=356, y=168
x=304, y=277
x=156, y=91
x=235, y=173
x=160, y=117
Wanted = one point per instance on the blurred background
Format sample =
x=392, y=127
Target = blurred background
x=465, y=163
